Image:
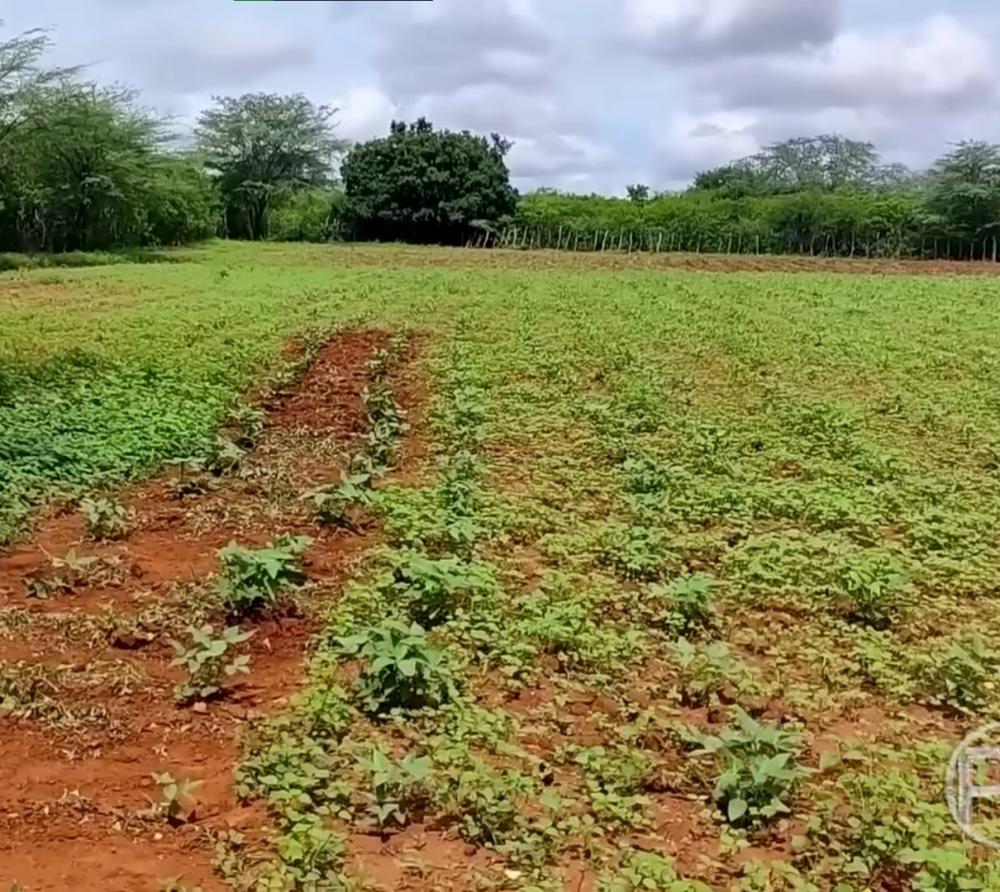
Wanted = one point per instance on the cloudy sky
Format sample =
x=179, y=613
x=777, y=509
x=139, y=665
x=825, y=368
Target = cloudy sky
x=595, y=93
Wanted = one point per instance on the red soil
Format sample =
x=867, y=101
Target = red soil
x=73, y=795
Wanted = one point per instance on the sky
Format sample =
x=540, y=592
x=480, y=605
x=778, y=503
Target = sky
x=595, y=94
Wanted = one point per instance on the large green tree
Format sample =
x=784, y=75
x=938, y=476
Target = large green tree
x=264, y=147
x=424, y=185
x=963, y=198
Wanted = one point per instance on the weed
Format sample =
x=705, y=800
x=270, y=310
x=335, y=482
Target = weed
x=72, y=572
x=254, y=580
x=683, y=606
x=209, y=661
x=873, y=587
x=961, y=675
x=434, y=588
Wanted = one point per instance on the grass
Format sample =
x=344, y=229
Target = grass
x=758, y=510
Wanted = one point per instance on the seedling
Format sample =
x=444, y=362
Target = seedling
x=253, y=580
x=73, y=571
x=209, y=661
x=176, y=803
x=398, y=789
x=341, y=504
x=707, y=671
x=104, y=518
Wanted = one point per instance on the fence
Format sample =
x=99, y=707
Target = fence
x=882, y=245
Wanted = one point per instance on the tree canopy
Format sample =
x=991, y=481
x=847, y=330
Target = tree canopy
x=263, y=147
x=425, y=185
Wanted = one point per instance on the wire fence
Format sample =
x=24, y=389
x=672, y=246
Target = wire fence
x=880, y=245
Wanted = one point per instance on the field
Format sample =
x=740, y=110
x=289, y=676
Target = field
x=558, y=572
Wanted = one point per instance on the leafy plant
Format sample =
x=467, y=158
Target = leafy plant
x=175, y=803
x=707, y=672
x=104, y=518
x=686, y=603
x=209, y=661
x=962, y=675
x=340, y=504
x=647, y=871
x=253, y=580
x=402, y=670
x=874, y=588
x=73, y=571
x=759, y=769
x=433, y=588
x=399, y=789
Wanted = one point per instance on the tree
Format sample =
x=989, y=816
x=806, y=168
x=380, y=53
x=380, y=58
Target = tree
x=428, y=186
x=823, y=162
x=88, y=169
x=963, y=198
x=637, y=193
x=22, y=74
x=263, y=147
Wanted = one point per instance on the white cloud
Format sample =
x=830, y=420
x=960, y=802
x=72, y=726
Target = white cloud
x=940, y=63
x=693, y=30
x=364, y=113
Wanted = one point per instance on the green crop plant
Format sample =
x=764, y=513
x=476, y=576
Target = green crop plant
x=342, y=504
x=254, y=580
x=400, y=668
x=399, y=789
x=104, y=519
x=759, y=769
x=209, y=661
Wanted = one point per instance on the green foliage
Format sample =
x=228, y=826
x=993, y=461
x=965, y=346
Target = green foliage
x=874, y=588
x=209, y=661
x=432, y=589
x=253, y=580
x=104, y=518
x=643, y=871
x=341, y=504
x=464, y=181
x=400, y=668
x=707, y=672
x=309, y=215
x=263, y=148
x=961, y=674
x=90, y=169
x=759, y=769
x=686, y=604
x=399, y=789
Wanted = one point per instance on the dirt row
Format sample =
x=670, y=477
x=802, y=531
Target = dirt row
x=76, y=773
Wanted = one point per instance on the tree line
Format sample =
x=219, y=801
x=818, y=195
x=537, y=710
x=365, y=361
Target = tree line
x=87, y=167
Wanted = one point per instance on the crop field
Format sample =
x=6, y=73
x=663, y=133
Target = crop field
x=329, y=568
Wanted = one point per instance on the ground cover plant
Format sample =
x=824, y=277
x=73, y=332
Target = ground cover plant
x=685, y=580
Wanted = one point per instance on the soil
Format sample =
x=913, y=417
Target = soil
x=76, y=782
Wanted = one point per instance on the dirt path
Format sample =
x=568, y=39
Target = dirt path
x=87, y=713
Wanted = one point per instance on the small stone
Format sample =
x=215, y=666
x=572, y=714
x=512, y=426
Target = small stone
x=200, y=707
